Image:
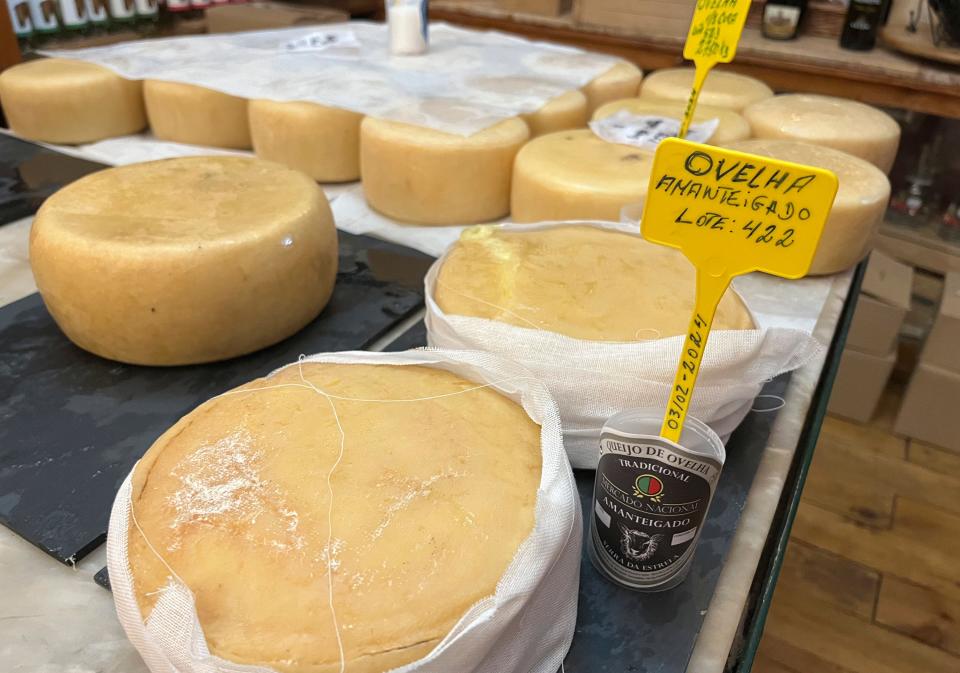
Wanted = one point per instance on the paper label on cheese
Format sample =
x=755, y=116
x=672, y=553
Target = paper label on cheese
x=648, y=131
x=323, y=40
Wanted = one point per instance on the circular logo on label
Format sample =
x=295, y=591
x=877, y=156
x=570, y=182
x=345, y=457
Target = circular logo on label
x=649, y=486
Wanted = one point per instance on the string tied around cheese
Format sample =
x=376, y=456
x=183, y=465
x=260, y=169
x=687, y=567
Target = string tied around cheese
x=330, y=397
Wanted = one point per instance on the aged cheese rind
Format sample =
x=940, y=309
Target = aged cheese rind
x=577, y=280
x=185, y=113
x=412, y=534
x=186, y=260
x=574, y=175
x=321, y=141
x=60, y=101
x=855, y=128
x=424, y=176
x=858, y=208
x=722, y=88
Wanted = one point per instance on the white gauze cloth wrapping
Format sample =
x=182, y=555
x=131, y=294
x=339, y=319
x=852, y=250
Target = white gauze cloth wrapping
x=526, y=626
x=593, y=380
x=467, y=81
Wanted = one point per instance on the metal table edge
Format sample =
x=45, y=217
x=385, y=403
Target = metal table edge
x=768, y=571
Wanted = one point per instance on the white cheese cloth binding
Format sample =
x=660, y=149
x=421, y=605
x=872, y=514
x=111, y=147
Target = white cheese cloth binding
x=593, y=380
x=526, y=626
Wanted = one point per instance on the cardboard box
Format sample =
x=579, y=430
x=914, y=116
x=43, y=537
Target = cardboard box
x=883, y=304
x=667, y=18
x=860, y=382
x=930, y=408
x=541, y=7
x=942, y=348
x=266, y=15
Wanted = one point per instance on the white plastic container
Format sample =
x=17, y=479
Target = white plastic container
x=409, y=27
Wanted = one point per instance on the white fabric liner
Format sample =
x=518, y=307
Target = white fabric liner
x=593, y=380
x=527, y=625
x=467, y=81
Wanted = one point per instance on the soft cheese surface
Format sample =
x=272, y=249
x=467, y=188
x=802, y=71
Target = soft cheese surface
x=431, y=500
x=580, y=281
x=722, y=88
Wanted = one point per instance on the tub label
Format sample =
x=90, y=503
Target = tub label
x=650, y=499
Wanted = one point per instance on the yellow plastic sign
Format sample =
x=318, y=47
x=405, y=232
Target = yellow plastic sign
x=714, y=33
x=730, y=213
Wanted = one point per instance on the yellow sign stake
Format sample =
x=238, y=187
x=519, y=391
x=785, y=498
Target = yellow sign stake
x=714, y=33
x=730, y=213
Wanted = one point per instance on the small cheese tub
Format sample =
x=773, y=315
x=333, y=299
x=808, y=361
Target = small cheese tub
x=598, y=314
x=362, y=511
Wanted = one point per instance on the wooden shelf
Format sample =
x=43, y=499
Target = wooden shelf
x=811, y=64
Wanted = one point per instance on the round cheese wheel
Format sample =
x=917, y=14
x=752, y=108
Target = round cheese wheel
x=234, y=498
x=722, y=88
x=58, y=101
x=566, y=111
x=858, y=208
x=574, y=175
x=416, y=174
x=620, y=81
x=323, y=142
x=184, y=260
x=190, y=114
x=847, y=125
x=581, y=281
x=732, y=127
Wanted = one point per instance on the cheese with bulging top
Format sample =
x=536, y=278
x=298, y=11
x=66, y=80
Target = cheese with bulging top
x=54, y=100
x=184, y=261
x=855, y=128
x=574, y=175
x=721, y=89
x=620, y=81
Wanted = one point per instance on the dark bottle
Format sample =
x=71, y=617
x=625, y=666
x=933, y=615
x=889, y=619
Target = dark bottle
x=781, y=18
x=861, y=24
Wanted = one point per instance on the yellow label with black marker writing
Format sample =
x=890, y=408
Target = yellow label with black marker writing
x=714, y=33
x=730, y=213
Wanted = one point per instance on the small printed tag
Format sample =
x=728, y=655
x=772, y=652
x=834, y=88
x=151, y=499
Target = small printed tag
x=322, y=40
x=648, y=131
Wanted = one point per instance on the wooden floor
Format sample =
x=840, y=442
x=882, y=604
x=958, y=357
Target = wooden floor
x=871, y=580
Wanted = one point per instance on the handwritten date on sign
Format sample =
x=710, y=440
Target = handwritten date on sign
x=732, y=212
x=715, y=30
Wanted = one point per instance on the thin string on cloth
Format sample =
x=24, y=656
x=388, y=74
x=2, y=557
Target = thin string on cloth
x=307, y=385
x=782, y=403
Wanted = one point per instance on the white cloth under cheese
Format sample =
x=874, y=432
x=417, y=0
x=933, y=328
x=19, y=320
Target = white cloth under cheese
x=70, y=102
x=721, y=89
x=183, y=261
x=857, y=209
x=855, y=128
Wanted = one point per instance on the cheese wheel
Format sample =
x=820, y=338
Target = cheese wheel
x=581, y=281
x=323, y=142
x=574, y=175
x=416, y=174
x=858, y=208
x=620, y=81
x=722, y=88
x=842, y=124
x=57, y=101
x=234, y=498
x=566, y=111
x=184, y=260
x=732, y=127
x=190, y=114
